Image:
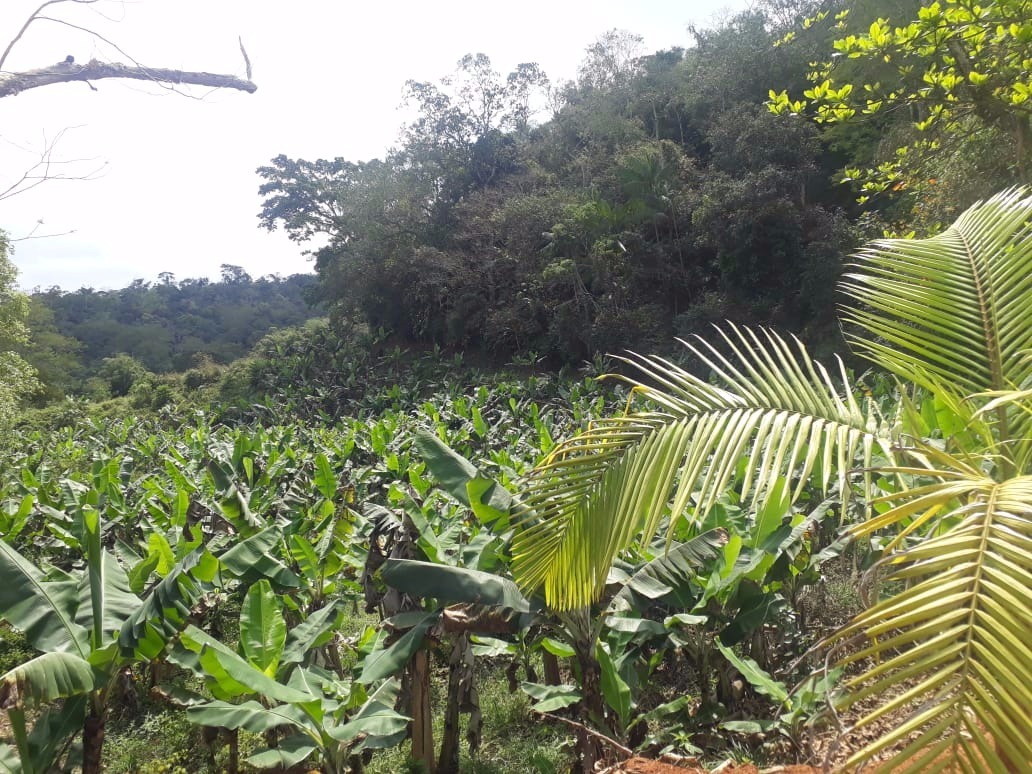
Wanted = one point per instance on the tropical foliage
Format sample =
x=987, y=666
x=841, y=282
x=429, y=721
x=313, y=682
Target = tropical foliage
x=948, y=315
x=19, y=379
x=947, y=80
x=364, y=544
x=653, y=194
x=164, y=326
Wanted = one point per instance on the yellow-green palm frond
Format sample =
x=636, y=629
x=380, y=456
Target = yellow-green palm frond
x=1018, y=407
x=956, y=644
x=769, y=405
x=955, y=309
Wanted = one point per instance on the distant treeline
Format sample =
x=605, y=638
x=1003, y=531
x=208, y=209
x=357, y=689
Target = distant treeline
x=166, y=326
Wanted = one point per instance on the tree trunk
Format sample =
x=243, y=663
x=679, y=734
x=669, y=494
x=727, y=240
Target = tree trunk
x=592, y=710
x=92, y=742
x=551, y=662
x=448, y=761
x=233, y=766
x=422, y=720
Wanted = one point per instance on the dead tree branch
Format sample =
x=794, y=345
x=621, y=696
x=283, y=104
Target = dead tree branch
x=68, y=71
x=247, y=59
x=49, y=167
x=28, y=23
x=65, y=72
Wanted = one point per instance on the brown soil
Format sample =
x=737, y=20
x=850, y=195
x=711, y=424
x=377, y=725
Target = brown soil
x=647, y=766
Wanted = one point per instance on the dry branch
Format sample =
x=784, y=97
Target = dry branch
x=66, y=72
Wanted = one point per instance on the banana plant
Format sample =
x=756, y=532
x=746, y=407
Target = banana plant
x=268, y=683
x=90, y=627
x=948, y=316
x=470, y=601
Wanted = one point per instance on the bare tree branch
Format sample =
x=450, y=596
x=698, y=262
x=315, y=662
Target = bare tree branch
x=31, y=19
x=33, y=235
x=65, y=72
x=247, y=59
x=12, y=83
x=47, y=167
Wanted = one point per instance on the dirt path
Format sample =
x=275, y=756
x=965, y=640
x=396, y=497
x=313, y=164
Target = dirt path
x=646, y=766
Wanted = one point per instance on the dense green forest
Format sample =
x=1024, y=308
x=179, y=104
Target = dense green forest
x=459, y=501
x=165, y=326
x=661, y=194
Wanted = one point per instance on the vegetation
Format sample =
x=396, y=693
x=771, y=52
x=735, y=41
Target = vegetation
x=948, y=314
x=660, y=195
x=19, y=377
x=955, y=76
x=165, y=326
x=421, y=534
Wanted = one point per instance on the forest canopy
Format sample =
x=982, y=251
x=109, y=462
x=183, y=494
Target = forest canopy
x=657, y=193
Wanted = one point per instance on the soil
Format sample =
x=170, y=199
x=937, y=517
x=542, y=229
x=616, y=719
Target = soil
x=646, y=766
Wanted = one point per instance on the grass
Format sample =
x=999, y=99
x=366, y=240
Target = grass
x=14, y=650
x=513, y=739
x=157, y=742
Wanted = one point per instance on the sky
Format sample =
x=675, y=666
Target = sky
x=172, y=183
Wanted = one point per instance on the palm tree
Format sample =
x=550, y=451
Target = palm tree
x=951, y=318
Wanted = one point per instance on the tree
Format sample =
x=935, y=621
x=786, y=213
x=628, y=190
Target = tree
x=54, y=356
x=611, y=60
x=955, y=72
x=121, y=372
x=950, y=315
x=18, y=379
x=659, y=195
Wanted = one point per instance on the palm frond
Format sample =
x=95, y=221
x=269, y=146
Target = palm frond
x=958, y=635
x=955, y=309
x=770, y=404
x=1019, y=405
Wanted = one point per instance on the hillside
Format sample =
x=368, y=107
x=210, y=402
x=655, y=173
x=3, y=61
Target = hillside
x=165, y=326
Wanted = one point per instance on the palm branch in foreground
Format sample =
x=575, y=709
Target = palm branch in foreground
x=952, y=315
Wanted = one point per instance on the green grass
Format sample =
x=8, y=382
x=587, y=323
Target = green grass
x=14, y=650
x=161, y=742
x=513, y=738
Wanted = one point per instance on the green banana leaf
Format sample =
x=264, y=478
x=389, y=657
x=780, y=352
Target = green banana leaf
x=669, y=573
x=52, y=729
x=454, y=584
x=288, y=753
x=451, y=469
x=549, y=698
x=263, y=631
x=374, y=719
x=106, y=590
x=165, y=609
x=255, y=558
x=44, y=611
x=462, y=480
x=48, y=677
x=250, y=716
x=230, y=674
x=757, y=677
x=309, y=633
x=392, y=659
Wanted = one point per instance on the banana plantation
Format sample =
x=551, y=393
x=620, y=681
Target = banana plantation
x=739, y=553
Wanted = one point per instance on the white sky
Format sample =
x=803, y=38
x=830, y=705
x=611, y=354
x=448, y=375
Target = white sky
x=178, y=191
